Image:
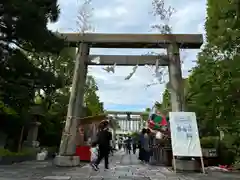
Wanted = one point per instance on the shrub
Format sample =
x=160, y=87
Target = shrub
x=209, y=142
x=6, y=152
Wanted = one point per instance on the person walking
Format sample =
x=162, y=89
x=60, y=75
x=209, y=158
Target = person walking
x=120, y=144
x=94, y=153
x=146, y=146
x=141, y=145
x=128, y=145
x=111, y=148
x=103, y=141
x=125, y=145
x=134, y=145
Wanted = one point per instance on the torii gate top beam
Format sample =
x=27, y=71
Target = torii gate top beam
x=97, y=40
x=125, y=112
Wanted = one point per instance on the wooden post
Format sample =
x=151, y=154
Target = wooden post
x=175, y=79
x=67, y=147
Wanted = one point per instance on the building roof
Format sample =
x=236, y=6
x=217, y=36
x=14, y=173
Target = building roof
x=92, y=119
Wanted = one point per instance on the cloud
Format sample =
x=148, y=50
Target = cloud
x=132, y=16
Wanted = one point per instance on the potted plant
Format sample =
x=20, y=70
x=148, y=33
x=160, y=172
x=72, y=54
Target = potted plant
x=209, y=146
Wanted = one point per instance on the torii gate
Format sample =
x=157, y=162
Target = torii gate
x=127, y=123
x=172, y=42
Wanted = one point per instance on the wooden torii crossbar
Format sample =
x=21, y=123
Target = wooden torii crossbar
x=99, y=40
x=131, y=60
x=172, y=42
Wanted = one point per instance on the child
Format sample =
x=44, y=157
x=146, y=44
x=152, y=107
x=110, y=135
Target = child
x=94, y=153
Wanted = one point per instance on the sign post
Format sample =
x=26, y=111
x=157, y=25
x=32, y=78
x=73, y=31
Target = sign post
x=185, y=136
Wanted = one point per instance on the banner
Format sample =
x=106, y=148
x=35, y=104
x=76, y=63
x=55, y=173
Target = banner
x=156, y=120
x=184, y=134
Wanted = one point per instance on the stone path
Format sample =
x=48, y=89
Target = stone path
x=124, y=167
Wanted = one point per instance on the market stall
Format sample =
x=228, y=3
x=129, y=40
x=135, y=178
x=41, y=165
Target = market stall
x=87, y=131
x=161, y=139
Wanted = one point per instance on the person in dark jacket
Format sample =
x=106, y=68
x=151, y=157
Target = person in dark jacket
x=146, y=146
x=141, y=144
x=128, y=145
x=104, y=138
x=134, y=145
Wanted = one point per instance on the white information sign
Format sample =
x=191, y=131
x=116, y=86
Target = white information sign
x=184, y=134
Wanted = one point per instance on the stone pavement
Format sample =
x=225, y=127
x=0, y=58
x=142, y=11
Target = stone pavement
x=124, y=167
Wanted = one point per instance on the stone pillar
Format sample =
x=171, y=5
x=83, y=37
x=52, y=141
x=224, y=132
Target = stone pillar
x=67, y=147
x=140, y=125
x=120, y=124
x=176, y=85
x=33, y=131
x=79, y=108
x=175, y=79
x=129, y=125
x=125, y=125
x=32, y=135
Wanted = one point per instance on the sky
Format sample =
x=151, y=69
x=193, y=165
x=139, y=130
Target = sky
x=132, y=16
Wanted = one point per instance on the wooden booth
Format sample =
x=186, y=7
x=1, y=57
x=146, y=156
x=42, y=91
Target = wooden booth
x=86, y=134
x=161, y=146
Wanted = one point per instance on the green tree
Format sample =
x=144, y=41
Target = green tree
x=23, y=27
x=55, y=99
x=91, y=98
x=213, y=91
x=24, y=24
x=223, y=25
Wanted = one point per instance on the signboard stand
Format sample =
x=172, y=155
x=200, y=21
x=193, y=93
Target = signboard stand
x=185, y=137
x=175, y=168
x=202, y=164
x=174, y=164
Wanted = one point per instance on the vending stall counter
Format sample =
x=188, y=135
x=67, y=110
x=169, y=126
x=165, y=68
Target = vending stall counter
x=87, y=131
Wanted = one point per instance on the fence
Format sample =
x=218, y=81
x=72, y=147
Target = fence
x=160, y=155
x=157, y=155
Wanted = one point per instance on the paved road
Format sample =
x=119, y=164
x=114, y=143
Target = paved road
x=124, y=167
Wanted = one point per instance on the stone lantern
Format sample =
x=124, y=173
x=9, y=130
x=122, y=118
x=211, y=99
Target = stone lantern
x=36, y=112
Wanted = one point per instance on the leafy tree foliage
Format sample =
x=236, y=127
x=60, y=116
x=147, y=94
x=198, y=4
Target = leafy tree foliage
x=23, y=23
x=55, y=99
x=91, y=99
x=223, y=25
x=23, y=29
x=212, y=89
x=35, y=69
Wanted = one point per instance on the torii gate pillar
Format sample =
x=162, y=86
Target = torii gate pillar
x=175, y=79
x=67, y=147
